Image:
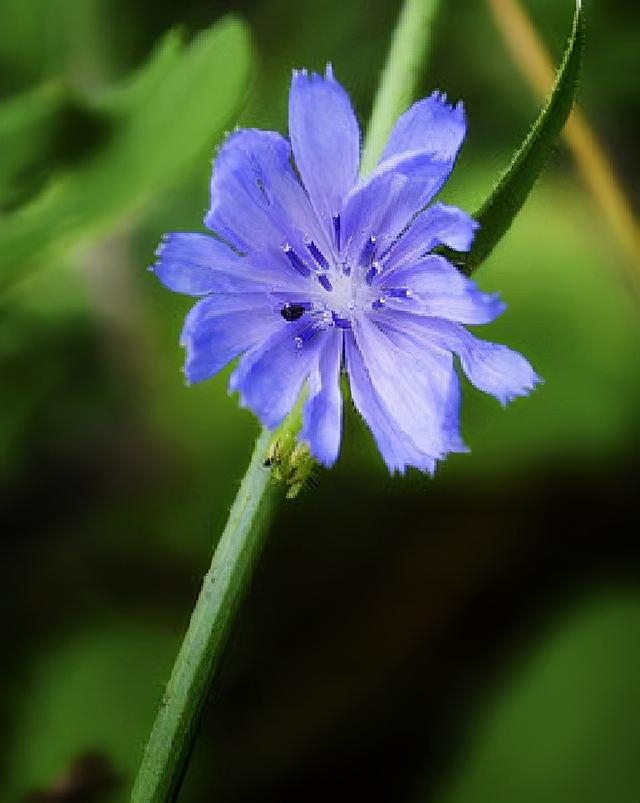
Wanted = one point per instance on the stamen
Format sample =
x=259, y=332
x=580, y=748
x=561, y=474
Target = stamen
x=368, y=251
x=324, y=281
x=373, y=271
x=379, y=303
x=336, y=230
x=341, y=323
x=317, y=254
x=295, y=261
x=346, y=268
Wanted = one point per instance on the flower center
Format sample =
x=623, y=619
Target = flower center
x=339, y=288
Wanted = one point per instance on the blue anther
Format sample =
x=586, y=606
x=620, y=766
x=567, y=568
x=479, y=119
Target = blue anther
x=295, y=261
x=373, y=271
x=336, y=230
x=368, y=251
x=317, y=254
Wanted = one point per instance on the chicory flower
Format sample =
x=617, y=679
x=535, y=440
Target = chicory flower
x=313, y=270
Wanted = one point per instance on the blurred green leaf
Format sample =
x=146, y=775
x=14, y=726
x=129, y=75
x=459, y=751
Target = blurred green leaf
x=94, y=692
x=24, y=123
x=40, y=129
x=161, y=120
x=579, y=328
x=568, y=727
x=498, y=212
x=66, y=40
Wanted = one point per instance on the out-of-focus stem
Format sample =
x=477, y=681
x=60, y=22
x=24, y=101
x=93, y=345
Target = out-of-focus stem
x=532, y=58
x=407, y=56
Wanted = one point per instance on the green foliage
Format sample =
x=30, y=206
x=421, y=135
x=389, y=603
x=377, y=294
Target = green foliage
x=579, y=328
x=567, y=726
x=30, y=127
x=499, y=210
x=93, y=691
x=157, y=123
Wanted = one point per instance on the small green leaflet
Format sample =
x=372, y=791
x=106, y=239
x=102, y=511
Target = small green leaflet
x=499, y=210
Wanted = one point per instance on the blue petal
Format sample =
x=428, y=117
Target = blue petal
x=491, y=367
x=422, y=150
x=197, y=264
x=322, y=412
x=270, y=377
x=430, y=370
x=431, y=126
x=438, y=225
x=440, y=291
x=497, y=370
x=220, y=327
x=417, y=387
x=325, y=137
x=257, y=202
x=383, y=205
x=396, y=448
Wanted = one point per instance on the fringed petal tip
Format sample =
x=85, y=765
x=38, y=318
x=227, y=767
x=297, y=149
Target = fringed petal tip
x=325, y=138
x=303, y=72
x=183, y=262
x=499, y=371
x=431, y=125
x=323, y=458
x=438, y=96
x=533, y=381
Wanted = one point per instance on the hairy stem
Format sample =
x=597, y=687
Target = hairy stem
x=221, y=595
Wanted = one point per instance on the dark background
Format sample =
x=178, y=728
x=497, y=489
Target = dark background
x=469, y=639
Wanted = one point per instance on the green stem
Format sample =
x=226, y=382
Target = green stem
x=222, y=592
x=239, y=547
x=396, y=92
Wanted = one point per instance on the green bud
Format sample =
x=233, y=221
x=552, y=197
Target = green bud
x=290, y=460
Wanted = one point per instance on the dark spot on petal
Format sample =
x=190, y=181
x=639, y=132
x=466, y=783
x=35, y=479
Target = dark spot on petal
x=292, y=312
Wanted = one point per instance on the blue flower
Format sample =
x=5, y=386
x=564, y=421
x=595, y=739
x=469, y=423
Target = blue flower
x=313, y=269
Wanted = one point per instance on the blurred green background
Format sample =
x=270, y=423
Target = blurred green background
x=469, y=639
